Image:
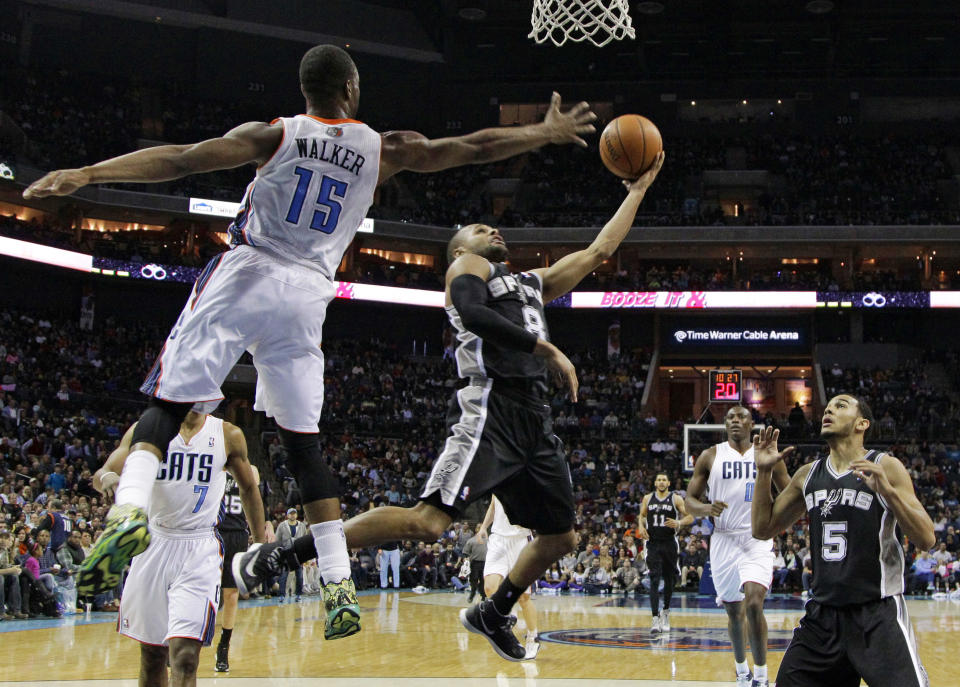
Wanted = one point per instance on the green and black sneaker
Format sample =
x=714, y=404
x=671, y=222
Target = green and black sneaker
x=343, y=609
x=125, y=535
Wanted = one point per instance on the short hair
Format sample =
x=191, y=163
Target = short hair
x=866, y=412
x=324, y=69
x=661, y=473
x=453, y=244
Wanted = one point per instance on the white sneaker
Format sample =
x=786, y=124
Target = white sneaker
x=761, y=682
x=419, y=589
x=532, y=645
x=665, y=620
x=745, y=680
x=655, y=624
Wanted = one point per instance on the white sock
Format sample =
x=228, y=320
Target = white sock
x=742, y=668
x=333, y=560
x=760, y=672
x=136, y=480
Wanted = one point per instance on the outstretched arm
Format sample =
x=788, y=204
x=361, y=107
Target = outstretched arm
x=409, y=150
x=250, y=142
x=570, y=270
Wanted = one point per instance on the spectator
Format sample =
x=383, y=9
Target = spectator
x=287, y=531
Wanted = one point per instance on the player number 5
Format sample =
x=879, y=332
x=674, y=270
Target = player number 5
x=834, y=541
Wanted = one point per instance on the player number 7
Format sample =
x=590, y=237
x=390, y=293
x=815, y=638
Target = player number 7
x=202, y=490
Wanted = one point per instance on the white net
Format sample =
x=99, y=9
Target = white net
x=597, y=21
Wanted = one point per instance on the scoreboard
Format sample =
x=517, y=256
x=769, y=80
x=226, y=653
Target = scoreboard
x=726, y=386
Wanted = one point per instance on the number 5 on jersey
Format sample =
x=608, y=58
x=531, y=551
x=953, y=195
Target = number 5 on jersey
x=329, y=201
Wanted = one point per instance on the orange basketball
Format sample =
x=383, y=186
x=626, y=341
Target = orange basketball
x=629, y=144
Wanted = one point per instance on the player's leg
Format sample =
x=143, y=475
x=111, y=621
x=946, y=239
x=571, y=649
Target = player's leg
x=670, y=572
x=817, y=655
x=755, y=565
x=233, y=544
x=153, y=666
x=383, y=562
x=184, y=659
x=881, y=644
x=655, y=565
x=228, y=617
x=724, y=555
x=531, y=642
x=754, y=594
x=491, y=582
x=536, y=492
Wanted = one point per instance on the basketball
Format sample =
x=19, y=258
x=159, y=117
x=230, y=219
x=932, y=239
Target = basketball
x=629, y=144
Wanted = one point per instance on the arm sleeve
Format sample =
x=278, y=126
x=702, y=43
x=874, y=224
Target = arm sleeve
x=469, y=295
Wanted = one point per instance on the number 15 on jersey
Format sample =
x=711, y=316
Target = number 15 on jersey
x=329, y=201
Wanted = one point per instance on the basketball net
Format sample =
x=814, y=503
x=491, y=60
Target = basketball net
x=597, y=21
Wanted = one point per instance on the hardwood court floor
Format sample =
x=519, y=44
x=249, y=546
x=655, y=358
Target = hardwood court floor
x=417, y=641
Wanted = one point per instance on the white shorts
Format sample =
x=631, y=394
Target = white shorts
x=738, y=558
x=173, y=588
x=502, y=553
x=249, y=300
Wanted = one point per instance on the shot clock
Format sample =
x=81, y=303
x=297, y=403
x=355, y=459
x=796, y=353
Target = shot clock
x=726, y=386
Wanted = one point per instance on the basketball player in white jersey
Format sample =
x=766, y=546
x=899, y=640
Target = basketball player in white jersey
x=170, y=597
x=742, y=566
x=504, y=544
x=315, y=180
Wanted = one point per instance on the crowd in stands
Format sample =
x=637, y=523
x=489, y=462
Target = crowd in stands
x=67, y=394
x=69, y=119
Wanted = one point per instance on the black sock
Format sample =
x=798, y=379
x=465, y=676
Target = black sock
x=304, y=549
x=506, y=596
x=225, y=636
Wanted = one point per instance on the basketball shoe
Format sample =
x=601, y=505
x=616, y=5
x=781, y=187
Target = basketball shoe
x=484, y=619
x=655, y=623
x=259, y=563
x=223, y=664
x=531, y=645
x=343, y=609
x=665, y=620
x=744, y=679
x=125, y=535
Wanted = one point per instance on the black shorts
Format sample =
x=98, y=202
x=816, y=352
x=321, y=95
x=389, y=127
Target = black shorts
x=234, y=542
x=505, y=445
x=663, y=555
x=835, y=646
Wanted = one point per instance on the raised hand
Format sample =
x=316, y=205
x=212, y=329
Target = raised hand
x=765, y=451
x=60, y=182
x=567, y=127
x=642, y=183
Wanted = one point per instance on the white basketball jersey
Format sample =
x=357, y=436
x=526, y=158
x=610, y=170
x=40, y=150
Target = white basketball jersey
x=731, y=480
x=501, y=525
x=190, y=482
x=307, y=202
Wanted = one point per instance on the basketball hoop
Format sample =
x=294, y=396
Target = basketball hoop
x=597, y=21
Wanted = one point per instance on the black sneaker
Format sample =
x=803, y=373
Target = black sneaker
x=261, y=562
x=223, y=664
x=484, y=619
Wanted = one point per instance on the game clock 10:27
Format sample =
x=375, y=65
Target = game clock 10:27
x=725, y=386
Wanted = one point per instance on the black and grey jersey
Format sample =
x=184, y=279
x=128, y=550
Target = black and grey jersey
x=855, y=543
x=231, y=509
x=519, y=298
x=658, y=512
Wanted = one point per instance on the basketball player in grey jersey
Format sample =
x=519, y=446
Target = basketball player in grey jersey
x=856, y=623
